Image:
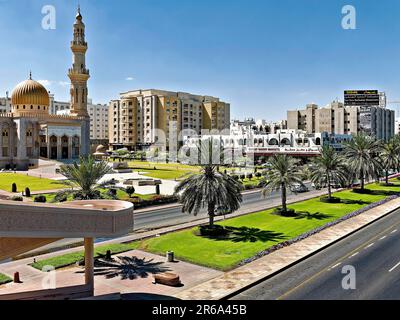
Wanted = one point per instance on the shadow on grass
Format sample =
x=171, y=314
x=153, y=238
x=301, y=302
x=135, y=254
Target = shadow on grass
x=127, y=268
x=245, y=234
x=312, y=216
x=352, y=201
x=376, y=192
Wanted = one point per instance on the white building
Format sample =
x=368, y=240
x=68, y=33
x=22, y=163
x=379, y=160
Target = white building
x=98, y=116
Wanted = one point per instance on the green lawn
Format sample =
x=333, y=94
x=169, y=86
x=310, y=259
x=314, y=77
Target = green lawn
x=256, y=232
x=71, y=258
x=24, y=181
x=4, y=279
x=164, y=171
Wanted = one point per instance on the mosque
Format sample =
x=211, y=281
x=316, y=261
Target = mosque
x=29, y=132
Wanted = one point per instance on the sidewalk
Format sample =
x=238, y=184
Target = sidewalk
x=243, y=277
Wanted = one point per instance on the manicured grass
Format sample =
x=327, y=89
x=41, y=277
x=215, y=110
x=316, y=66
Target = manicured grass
x=259, y=231
x=71, y=258
x=24, y=181
x=4, y=279
x=164, y=171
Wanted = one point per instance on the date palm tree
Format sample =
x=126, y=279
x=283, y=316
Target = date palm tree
x=283, y=173
x=361, y=155
x=327, y=169
x=83, y=178
x=210, y=189
x=390, y=158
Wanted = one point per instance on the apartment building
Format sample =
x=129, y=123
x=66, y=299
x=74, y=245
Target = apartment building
x=5, y=104
x=143, y=118
x=336, y=118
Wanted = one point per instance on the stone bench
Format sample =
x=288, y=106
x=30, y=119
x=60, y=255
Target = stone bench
x=168, y=279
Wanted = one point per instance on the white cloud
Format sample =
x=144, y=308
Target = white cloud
x=130, y=79
x=63, y=83
x=46, y=83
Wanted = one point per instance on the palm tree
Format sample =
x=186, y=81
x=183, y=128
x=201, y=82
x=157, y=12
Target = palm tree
x=283, y=173
x=328, y=169
x=361, y=154
x=85, y=177
x=390, y=158
x=216, y=191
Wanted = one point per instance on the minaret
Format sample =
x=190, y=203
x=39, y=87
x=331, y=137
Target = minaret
x=78, y=74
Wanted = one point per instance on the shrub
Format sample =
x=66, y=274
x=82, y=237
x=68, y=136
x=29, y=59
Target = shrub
x=258, y=174
x=61, y=198
x=17, y=198
x=242, y=177
x=235, y=177
x=41, y=199
x=14, y=188
x=112, y=193
x=250, y=176
x=27, y=192
x=331, y=200
x=130, y=191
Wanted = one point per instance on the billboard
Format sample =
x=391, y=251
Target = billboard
x=361, y=98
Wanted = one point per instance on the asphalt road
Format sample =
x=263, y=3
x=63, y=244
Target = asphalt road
x=374, y=252
x=173, y=216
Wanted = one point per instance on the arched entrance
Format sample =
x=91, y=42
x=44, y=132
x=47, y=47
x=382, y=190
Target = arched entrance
x=53, y=148
x=64, y=147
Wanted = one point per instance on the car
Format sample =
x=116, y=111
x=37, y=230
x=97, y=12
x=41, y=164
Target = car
x=299, y=188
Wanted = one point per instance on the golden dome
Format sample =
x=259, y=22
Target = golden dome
x=30, y=92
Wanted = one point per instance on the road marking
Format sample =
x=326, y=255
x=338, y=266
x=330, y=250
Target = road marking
x=354, y=255
x=336, y=265
x=287, y=293
x=382, y=238
x=394, y=267
x=395, y=230
x=370, y=245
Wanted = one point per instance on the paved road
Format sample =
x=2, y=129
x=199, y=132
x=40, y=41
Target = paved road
x=173, y=216
x=374, y=252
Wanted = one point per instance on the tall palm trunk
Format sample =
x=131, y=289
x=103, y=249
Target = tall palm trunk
x=211, y=213
x=329, y=186
x=362, y=182
x=284, y=207
x=387, y=177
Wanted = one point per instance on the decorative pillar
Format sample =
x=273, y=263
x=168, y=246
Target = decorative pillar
x=89, y=263
x=59, y=148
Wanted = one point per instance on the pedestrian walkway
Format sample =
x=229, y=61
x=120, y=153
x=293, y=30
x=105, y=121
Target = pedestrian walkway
x=233, y=281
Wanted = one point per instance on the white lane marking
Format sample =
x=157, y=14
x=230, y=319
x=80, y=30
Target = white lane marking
x=394, y=267
x=336, y=265
x=382, y=238
x=354, y=255
x=370, y=245
x=395, y=230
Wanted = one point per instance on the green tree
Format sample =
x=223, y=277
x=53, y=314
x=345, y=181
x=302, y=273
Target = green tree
x=83, y=178
x=283, y=173
x=328, y=169
x=213, y=190
x=390, y=158
x=361, y=154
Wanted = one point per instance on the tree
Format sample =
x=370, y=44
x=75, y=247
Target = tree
x=130, y=191
x=283, y=173
x=210, y=189
x=390, y=158
x=361, y=154
x=328, y=169
x=85, y=176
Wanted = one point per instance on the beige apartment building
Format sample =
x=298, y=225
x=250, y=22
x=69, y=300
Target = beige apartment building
x=336, y=118
x=134, y=118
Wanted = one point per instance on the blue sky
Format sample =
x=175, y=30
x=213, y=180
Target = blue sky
x=262, y=56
